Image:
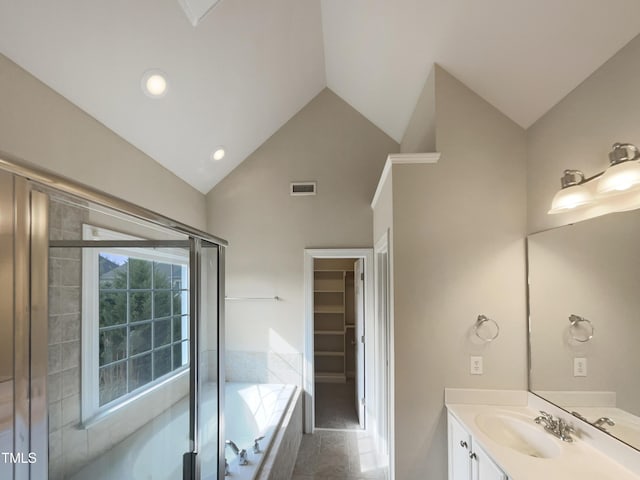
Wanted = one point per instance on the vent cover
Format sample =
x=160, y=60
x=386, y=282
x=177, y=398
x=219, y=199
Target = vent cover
x=303, y=188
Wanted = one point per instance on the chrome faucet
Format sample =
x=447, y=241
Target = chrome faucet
x=555, y=426
x=603, y=421
x=242, y=454
x=256, y=444
x=598, y=423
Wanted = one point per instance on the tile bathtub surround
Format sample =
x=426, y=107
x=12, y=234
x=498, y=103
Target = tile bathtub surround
x=263, y=367
x=286, y=444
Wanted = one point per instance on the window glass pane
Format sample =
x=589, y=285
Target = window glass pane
x=139, y=273
x=162, y=275
x=113, y=271
x=161, y=362
x=162, y=304
x=177, y=328
x=139, y=306
x=180, y=354
x=177, y=273
x=139, y=371
x=177, y=303
x=139, y=338
x=113, y=345
x=113, y=382
x=148, y=302
x=112, y=308
x=161, y=332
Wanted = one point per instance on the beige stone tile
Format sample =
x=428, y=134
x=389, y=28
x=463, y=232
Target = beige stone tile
x=55, y=416
x=71, y=325
x=54, y=387
x=70, y=354
x=55, y=359
x=55, y=329
x=71, y=410
x=70, y=382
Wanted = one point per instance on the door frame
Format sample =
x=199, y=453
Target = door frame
x=308, y=375
x=384, y=344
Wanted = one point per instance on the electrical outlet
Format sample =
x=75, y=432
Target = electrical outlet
x=579, y=367
x=475, y=367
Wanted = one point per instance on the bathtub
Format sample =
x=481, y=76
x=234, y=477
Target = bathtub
x=252, y=411
x=155, y=450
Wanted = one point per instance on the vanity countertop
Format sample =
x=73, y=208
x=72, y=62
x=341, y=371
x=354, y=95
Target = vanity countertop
x=576, y=460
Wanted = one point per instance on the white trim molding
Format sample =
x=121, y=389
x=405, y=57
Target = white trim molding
x=402, y=159
x=308, y=369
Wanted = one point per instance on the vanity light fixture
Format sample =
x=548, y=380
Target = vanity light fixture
x=622, y=175
x=572, y=194
x=624, y=171
x=154, y=83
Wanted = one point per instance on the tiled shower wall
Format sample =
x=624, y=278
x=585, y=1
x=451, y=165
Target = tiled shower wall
x=67, y=442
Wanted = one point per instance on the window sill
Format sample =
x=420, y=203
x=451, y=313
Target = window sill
x=159, y=396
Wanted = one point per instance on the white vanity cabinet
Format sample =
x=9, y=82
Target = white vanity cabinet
x=468, y=461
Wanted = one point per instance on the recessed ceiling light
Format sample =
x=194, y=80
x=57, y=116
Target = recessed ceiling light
x=154, y=83
x=218, y=154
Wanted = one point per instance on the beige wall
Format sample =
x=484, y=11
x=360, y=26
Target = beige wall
x=420, y=135
x=45, y=129
x=268, y=230
x=579, y=131
x=458, y=246
x=587, y=269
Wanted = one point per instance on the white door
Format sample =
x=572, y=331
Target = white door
x=359, y=337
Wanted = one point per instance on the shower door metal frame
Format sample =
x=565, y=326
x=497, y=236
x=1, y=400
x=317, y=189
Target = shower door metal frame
x=29, y=305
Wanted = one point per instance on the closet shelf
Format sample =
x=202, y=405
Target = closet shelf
x=329, y=354
x=329, y=309
x=329, y=332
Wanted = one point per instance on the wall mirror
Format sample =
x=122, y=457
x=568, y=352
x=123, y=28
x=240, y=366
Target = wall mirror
x=584, y=314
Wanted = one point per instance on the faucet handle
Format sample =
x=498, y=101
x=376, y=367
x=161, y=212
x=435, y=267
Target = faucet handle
x=256, y=444
x=546, y=415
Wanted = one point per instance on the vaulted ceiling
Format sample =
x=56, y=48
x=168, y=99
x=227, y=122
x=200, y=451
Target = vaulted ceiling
x=250, y=65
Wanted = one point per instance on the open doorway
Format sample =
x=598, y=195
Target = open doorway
x=338, y=299
x=339, y=310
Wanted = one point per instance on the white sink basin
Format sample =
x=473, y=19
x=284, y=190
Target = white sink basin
x=518, y=433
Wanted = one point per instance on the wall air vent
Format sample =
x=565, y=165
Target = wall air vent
x=303, y=188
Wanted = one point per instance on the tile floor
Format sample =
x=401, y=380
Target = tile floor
x=336, y=405
x=337, y=455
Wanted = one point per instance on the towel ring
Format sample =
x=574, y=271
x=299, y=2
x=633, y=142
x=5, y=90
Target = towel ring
x=576, y=321
x=482, y=319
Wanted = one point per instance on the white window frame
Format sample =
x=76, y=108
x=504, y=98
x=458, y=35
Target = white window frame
x=90, y=389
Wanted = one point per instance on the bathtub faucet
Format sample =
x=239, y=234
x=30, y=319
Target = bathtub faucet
x=242, y=454
x=256, y=444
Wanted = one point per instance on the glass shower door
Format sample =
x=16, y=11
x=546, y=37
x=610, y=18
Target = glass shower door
x=110, y=336
x=119, y=346
x=210, y=397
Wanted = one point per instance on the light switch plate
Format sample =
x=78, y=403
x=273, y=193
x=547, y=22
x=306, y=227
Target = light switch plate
x=475, y=366
x=579, y=367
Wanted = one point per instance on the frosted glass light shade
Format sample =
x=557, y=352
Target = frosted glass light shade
x=569, y=198
x=619, y=178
